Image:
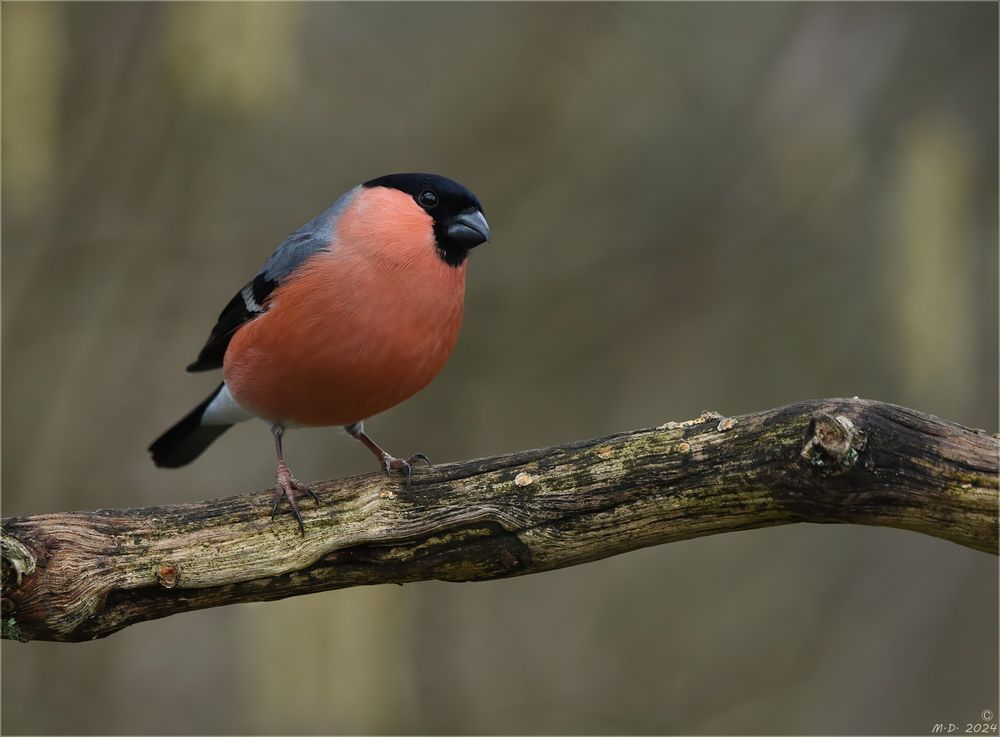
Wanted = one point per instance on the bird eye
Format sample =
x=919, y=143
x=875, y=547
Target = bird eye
x=428, y=198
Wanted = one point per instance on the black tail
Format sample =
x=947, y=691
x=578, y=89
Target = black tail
x=186, y=440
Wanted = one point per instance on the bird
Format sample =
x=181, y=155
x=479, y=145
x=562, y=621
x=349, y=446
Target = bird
x=353, y=313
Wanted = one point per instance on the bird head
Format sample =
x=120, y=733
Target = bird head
x=457, y=215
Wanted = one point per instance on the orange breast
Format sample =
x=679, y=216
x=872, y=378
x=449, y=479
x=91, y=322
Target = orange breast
x=354, y=331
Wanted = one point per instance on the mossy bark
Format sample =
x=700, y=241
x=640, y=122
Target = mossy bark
x=82, y=575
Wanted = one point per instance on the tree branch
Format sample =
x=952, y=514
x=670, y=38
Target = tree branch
x=82, y=575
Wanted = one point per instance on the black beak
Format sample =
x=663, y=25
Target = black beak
x=468, y=229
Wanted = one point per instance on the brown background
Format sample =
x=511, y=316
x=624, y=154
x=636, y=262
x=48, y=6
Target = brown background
x=693, y=206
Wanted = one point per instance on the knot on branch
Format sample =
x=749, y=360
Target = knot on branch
x=832, y=444
x=167, y=574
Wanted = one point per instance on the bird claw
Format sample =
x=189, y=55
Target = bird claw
x=390, y=464
x=285, y=488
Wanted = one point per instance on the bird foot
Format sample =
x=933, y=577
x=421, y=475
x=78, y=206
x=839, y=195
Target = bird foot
x=285, y=488
x=390, y=464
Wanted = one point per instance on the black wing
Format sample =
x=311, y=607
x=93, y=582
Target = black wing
x=252, y=300
x=241, y=309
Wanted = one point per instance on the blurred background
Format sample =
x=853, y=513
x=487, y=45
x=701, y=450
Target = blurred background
x=677, y=192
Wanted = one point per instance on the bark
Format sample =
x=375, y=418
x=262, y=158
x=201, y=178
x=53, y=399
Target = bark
x=82, y=575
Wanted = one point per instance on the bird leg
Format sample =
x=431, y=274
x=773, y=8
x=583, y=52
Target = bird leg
x=357, y=430
x=287, y=484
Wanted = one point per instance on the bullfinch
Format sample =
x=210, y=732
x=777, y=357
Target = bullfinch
x=354, y=312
